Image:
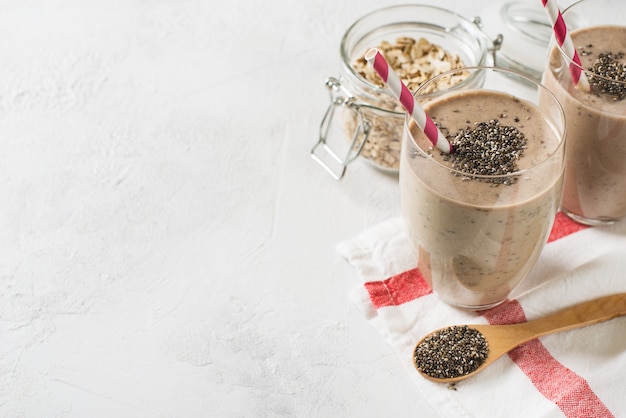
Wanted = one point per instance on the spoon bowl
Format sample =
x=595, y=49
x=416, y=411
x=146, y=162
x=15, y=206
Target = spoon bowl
x=503, y=338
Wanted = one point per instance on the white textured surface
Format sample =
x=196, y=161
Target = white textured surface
x=167, y=244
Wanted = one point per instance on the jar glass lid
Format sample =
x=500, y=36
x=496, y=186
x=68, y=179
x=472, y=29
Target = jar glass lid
x=526, y=30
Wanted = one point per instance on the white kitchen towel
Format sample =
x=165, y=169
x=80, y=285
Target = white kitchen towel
x=577, y=373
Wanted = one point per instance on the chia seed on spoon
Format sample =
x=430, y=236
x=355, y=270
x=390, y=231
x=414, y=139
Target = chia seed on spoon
x=451, y=352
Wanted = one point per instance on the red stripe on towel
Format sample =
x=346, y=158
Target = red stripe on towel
x=410, y=285
x=398, y=289
x=564, y=226
x=570, y=392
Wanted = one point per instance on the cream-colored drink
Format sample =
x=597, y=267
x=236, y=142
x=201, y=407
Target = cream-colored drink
x=594, y=190
x=477, y=236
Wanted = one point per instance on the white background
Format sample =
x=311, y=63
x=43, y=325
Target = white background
x=167, y=245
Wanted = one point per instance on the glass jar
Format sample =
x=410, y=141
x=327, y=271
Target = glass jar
x=527, y=30
x=363, y=118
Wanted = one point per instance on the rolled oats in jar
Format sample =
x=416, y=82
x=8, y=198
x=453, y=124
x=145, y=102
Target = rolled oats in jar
x=419, y=42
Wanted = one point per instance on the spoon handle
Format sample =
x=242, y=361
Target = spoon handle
x=586, y=313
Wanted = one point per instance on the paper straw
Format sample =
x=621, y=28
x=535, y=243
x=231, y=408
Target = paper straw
x=565, y=42
x=402, y=93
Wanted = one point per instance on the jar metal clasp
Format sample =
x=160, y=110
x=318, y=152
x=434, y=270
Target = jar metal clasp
x=332, y=154
x=496, y=44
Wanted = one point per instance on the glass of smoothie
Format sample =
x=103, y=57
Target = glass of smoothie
x=480, y=216
x=594, y=190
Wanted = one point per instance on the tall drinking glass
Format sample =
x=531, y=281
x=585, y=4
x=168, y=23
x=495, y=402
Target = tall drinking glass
x=594, y=190
x=479, y=218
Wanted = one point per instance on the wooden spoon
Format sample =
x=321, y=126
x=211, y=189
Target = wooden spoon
x=503, y=338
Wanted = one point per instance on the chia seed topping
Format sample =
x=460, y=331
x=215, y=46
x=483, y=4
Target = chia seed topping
x=612, y=72
x=487, y=149
x=451, y=352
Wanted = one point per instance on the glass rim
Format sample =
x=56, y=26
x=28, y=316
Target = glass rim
x=428, y=155
x=570, y=59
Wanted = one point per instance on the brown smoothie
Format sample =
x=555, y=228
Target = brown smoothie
x=477, y=240
x=594, y=188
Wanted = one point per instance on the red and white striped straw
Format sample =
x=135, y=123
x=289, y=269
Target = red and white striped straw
x=565, y=42
x=402, y=93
